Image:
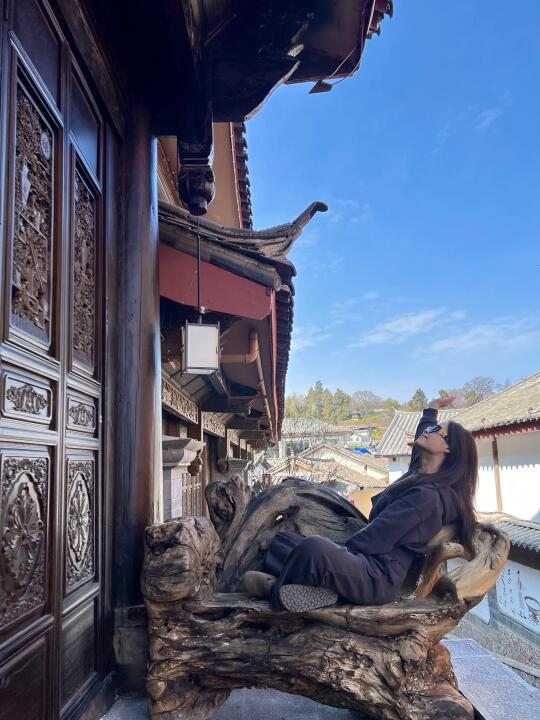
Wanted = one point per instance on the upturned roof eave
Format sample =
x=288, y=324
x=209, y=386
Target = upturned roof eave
x=269, y=246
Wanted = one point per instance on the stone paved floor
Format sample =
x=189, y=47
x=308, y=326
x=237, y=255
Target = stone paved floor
x=244, y=705
x=496, y=692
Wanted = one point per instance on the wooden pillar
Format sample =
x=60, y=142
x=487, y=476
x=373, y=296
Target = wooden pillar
x=138, y=424
x=497, y=471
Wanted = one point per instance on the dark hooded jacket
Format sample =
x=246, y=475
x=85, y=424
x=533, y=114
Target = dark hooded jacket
x=403, y=520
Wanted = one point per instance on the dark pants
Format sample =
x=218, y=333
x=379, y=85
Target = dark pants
x=316, y=561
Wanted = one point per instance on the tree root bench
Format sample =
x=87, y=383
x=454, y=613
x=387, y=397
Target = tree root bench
x=207, y=637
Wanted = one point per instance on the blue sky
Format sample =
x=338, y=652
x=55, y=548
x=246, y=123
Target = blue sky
x=426, y=270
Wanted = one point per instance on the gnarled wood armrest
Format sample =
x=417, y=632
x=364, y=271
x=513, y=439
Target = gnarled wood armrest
x=181, y=557
x=473, y=579
x=440, y=548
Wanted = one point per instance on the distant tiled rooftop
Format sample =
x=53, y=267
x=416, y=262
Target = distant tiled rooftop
x=394, y=441
x=519, y=403
x=524, y=534
x=323, y=459
x=304, y=426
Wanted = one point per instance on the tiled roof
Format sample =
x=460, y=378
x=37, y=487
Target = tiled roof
x=403, y=425
x=519, y=403
x=242, y=173
x=344, y=455
x=342, y=465
x=321, y=471
x=305, y=426
x=524, y=534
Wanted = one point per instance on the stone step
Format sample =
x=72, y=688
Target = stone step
x=495, y=691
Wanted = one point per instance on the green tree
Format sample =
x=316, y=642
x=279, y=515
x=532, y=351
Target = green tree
x=342, y=405
x=478, y=389
x=327, y=406
x=364, y=401
x=391, y=403
x=418, y=401
x=295, y=405
x=314, y=401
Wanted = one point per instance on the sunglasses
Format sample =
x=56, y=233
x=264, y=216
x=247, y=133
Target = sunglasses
x=437, y=429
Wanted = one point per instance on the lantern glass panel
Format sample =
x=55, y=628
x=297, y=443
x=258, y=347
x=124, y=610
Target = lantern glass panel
x=202, y=349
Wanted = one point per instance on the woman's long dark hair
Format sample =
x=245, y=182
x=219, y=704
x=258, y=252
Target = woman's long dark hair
x=460, y=471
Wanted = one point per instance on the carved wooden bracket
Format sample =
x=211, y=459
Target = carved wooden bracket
x=196, y=182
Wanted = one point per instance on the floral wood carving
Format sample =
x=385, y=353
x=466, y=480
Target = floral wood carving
x=82, y=414
x=24, y=488
x=80, y=509
x=26, y=399
x=84, y=274
x=213, y=423
x=32, y=241
x=177, y=402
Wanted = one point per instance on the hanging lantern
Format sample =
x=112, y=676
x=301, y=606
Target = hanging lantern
x=201, y=348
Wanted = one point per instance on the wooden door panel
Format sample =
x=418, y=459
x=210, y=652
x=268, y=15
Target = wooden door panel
x=25, y=535
x=81, y=413
x=24, y=684
x=80, y=534
x=26, y=396
x=33, y=244
x=79, y=656
x=85, y=125
x=40, y=40
x=84, y=267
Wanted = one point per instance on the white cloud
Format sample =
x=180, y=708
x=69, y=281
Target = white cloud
x=335, y=217
x=511, y=333
x=345, y=304
x=308, y=336
x=351, y=302
x=443, y=134
x=315, y=265
x=347, y=202
x=401, y=327
x=441, y=138
x=309, y=238
x=350, y=210
x=487, y=118
x=366, y=211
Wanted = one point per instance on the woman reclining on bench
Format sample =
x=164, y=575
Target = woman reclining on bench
x=304, y=573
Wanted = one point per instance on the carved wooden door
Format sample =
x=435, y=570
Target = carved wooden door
x=51, y=489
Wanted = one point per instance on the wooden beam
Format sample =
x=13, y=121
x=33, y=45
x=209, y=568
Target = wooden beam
x=225, y=405
x=244, y=424
x=248, y=435
x=497, y=471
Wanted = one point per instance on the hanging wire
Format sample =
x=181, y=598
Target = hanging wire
x=199, y=283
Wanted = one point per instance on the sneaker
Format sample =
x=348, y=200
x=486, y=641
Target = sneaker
x=301, y=598
x=258, y=583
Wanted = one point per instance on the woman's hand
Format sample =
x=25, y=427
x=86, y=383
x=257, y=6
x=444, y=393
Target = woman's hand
x=442, y=402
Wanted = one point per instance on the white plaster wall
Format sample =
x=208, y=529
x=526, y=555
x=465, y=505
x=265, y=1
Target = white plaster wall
x=486, y=495
x=397, y=467
x=519, y=461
